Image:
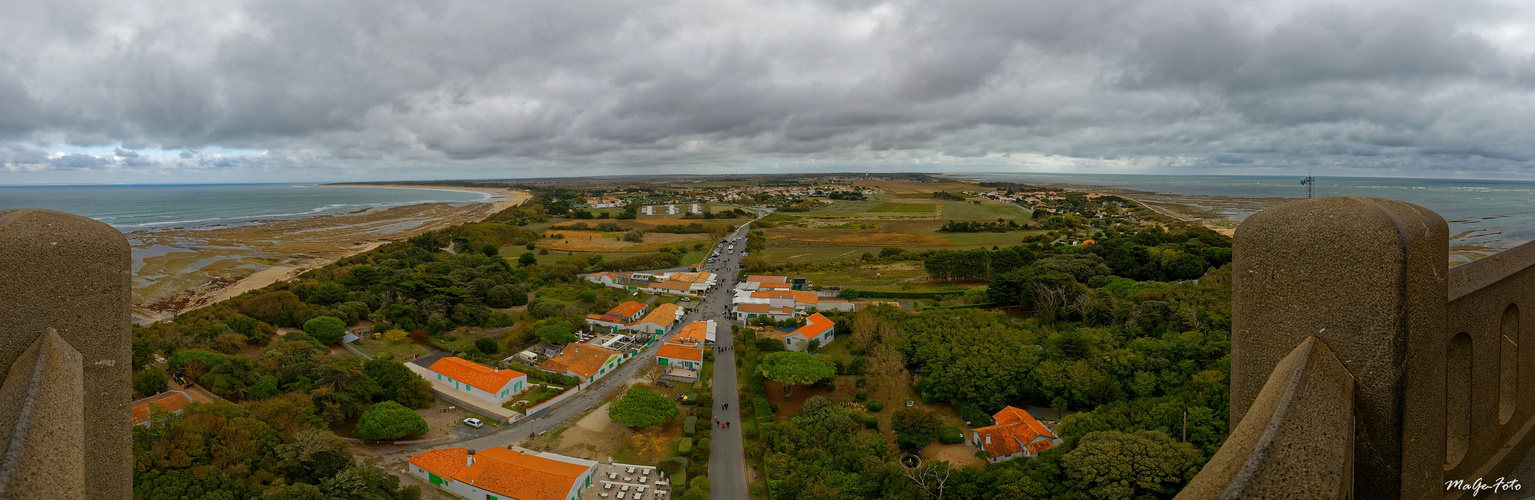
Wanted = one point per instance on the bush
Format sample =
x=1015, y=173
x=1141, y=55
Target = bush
x=761, y=407
x=874, y=405
x=871, y=422
x=685, y=446
x=689, y=425
x=860, y=383
x=951, y=435
x=862, y=395
x=973, y=415
x=150, y=381
x=389, y=420
x=487, y=346
x=326, y=330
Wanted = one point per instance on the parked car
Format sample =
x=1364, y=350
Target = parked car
x=687, y=299
x=664, y=383
x=474, y=422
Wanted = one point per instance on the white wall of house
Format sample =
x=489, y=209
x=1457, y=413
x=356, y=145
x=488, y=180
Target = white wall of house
x=680, y=363
x=512, y=387
x=469, y=491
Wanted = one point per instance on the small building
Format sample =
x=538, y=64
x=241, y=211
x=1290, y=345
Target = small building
x=584, y=361
x=658, y=321
x=168, y=401
x=680, y=356
x=618, y=317
x=746, y=311
x=697, y=333
x=481, y=382
x=502, y=474
x=1016, y=434
x=817, y=327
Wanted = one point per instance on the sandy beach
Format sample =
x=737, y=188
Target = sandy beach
x=196, y=267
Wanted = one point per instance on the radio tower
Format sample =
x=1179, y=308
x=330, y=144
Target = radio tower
x=1309, y=181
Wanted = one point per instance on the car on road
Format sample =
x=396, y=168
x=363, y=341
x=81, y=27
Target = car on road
x=474, y=422
x=687, y=299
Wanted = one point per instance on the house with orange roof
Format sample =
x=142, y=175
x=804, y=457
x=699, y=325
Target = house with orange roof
x=584, y=361
x=748, y=311
x=696, y=333
x=168, y=401
x=680, y=356
x=618, y=317
x=658, y=321
x=481, y=382
x=1016, y=434
x=503, y=474
x=817, y=328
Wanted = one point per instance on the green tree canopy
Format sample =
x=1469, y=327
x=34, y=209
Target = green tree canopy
x=150, y=381
x=389, y=420
x=556, y=334
x=1116, y=464
x=326, y=329
x=397, y=383
x=642, y=407
x=795, y=368
x=915, y=427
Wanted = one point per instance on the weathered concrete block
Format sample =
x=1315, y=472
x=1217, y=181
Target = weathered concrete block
x=71, y=274
x=1367, y=277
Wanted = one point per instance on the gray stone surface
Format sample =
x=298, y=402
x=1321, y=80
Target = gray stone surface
x=42, y=405
x=1296, y=437
x=1369, y=278
x=71, y=274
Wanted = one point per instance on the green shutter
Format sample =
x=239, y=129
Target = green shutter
x=436, y=480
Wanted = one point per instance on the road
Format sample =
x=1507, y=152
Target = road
x=727, y=458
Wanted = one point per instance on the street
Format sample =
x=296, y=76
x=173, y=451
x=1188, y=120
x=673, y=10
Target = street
x=727, y=459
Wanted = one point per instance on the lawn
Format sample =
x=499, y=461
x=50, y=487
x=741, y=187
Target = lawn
x=535, y=394
x=402, y=350
x=904, y=207
x=986, y=210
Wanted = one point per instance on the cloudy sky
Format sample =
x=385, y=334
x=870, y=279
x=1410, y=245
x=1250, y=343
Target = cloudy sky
x=260, y=90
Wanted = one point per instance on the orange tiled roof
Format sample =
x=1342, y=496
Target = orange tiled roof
x=664, y=314
x=770, y=286
x=815, y=325
x=512, y=473
x=749, y=307
x=670, y=350
x=1015, y=431
x=476, y=375
x=445, y=463
x=627, y=309
x=696, y=332
x=680, y=286
x=581, y=359
x=171, y=401
x=804, y=297
x=767, y=279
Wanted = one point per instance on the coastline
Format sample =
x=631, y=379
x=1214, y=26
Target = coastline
x=209, y=265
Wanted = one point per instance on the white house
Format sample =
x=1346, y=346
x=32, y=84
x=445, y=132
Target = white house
x=479, y=381
x=584, y=361
x=1016, y=435
x=502, y=474
x=817, y=327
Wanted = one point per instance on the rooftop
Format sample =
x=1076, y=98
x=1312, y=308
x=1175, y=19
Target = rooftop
x=815, y=325
x=1015, y=431
x=171, y=401
x=581, y=359
x=627, y=309
x=664, y=314
x=476, y=375
x=677, y=351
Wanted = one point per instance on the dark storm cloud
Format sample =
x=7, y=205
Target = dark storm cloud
x=315, y=89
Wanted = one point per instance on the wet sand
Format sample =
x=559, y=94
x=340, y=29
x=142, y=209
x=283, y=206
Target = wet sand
x=182, y=269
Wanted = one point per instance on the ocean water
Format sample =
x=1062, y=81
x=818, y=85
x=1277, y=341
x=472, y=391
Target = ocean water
x=1497, y=214
x=149, y=207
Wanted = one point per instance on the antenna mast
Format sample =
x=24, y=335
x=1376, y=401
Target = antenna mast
x=1309, y=182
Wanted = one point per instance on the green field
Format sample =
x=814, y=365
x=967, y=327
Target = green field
x=904, y=207
x=985, y=211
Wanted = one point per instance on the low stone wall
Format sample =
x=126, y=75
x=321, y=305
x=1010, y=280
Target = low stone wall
x=548, y=403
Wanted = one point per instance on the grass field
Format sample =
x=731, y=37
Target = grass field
x=904, y=207
x=989, y=210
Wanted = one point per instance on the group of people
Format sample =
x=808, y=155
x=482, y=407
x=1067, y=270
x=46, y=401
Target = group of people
x=721, y=348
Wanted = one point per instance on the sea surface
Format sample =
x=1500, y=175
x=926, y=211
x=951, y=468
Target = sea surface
x=150, y=207
x=1494, y=214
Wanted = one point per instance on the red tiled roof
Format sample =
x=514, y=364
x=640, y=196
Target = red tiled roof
x=476, y=375
x=815, y=325
x=581, y=359
x=696, y=332
x=1015, y=431
x=627, y=309
x=664, y=315
x=445, y=463
x=171, y=401
x=670, y=350
x=510, y=473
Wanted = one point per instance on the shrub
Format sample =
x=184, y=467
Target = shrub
x=150, y=381
x=860, y=382
x=389, y=420
x=871, y=422
x=685, y=446
x=862, y=395
x=951, y=435
x=487, y=346
x=874, y=405
x=689, y=425
x=326, y=330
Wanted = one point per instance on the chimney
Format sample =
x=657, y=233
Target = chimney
x=471, y=457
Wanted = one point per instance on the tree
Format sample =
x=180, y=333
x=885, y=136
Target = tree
x=794, y=368
x=150, y=381
x=1116, y=464
x=397, y=383
x=650, y=444
x=487, y=346
x=555, y=334
x=395, y=335
x=389, y=420
x=642, y=407
x=915, y=427
x=279, y=308
x=527, y=259
x=490, y=250
x=314, y=455
x=326, y=330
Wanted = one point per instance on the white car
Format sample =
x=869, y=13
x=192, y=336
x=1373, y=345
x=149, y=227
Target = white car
x=474, y=422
